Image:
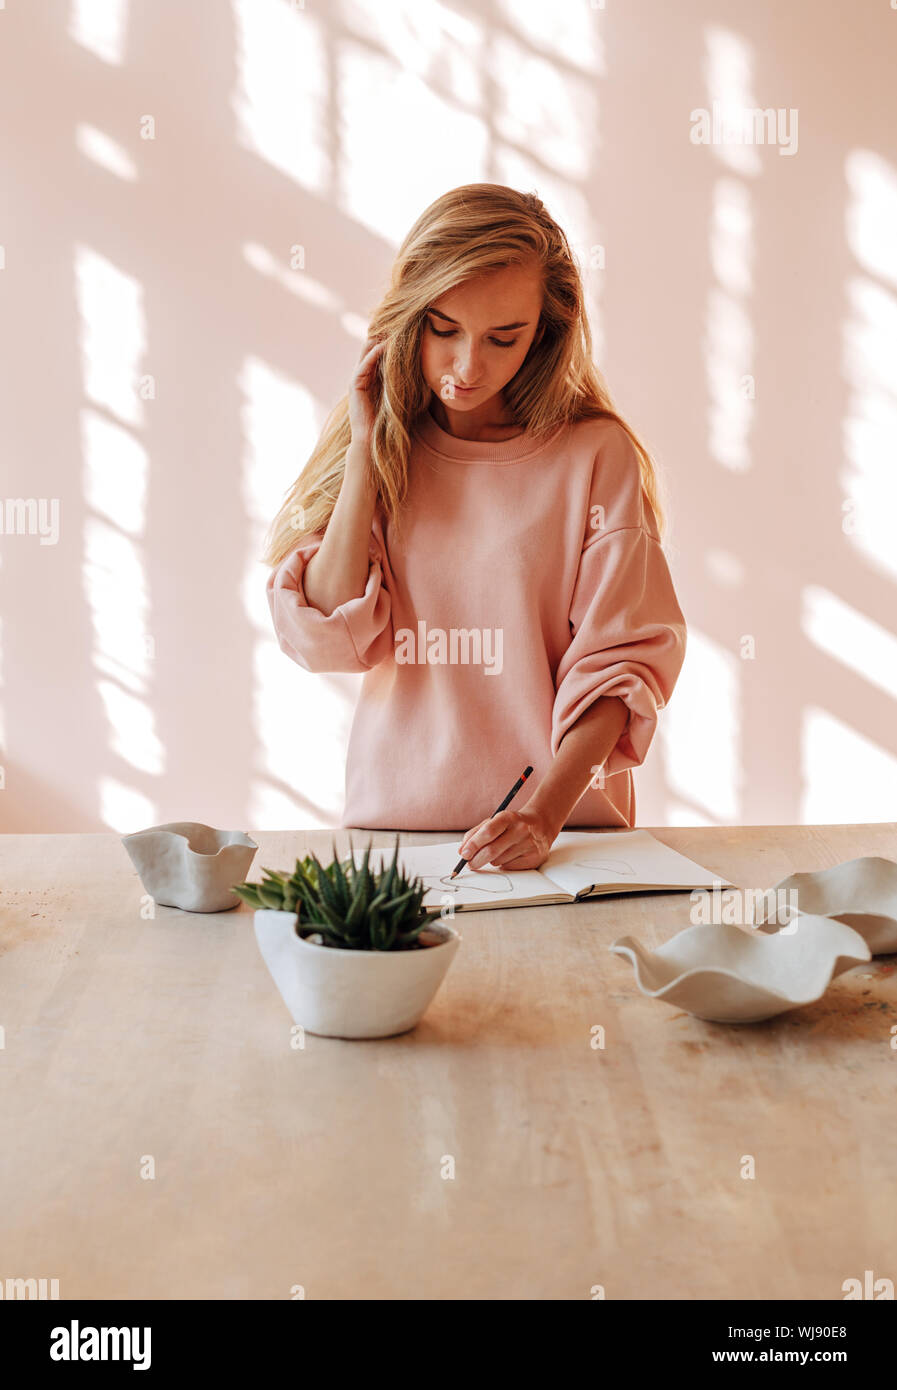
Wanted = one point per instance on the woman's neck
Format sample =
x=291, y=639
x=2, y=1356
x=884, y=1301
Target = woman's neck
x=490, y=421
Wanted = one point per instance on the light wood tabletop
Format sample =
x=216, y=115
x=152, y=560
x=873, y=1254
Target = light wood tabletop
x=326, y=1171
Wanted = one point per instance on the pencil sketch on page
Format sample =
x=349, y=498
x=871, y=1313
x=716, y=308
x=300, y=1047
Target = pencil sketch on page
x=496, y=883
x=607, y=866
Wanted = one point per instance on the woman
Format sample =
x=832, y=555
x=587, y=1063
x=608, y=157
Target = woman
x=477, y=530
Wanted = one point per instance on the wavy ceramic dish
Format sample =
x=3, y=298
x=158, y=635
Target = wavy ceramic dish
x=726, y=974
x=190, y=865
x=862, y=893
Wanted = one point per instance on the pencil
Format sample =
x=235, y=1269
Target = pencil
x=510, y=797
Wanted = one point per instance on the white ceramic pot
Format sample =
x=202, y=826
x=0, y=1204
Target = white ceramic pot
x=190, y=865
x=352, y=994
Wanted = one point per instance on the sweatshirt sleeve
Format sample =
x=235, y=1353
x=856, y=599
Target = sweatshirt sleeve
x=354, y=637
x=628, y=631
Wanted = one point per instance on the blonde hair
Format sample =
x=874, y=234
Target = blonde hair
x=466, y=232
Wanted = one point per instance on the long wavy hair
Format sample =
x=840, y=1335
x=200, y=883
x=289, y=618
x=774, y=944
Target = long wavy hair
x=468, y=231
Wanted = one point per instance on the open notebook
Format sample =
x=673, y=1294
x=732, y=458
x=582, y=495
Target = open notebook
x=582, y=864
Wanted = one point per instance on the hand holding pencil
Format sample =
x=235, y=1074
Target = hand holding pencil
x=508, y=837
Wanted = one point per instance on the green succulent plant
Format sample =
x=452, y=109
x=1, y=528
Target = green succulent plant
x=351, y=906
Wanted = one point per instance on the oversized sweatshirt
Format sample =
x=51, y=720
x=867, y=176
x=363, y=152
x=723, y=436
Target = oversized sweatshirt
x=529, y=582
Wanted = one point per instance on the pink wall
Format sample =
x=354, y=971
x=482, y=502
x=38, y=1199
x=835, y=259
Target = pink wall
x=171, y=355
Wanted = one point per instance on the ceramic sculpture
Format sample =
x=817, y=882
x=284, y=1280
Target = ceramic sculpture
x=727, y=974
x=190, y=865
x=862, y=893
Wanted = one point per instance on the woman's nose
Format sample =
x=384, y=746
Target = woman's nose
x=465, y=366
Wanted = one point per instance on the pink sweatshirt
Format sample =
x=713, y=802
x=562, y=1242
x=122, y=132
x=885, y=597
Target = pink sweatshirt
x=531, y=582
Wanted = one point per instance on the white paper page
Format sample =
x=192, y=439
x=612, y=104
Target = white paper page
x=626, y=860
x=473, y=887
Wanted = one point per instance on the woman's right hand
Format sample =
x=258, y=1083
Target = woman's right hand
x=362, y=406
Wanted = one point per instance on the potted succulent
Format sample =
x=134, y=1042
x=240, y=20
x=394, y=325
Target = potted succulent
x=350, y=948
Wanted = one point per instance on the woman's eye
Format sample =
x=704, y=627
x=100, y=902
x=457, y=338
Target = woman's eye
x=450, y=333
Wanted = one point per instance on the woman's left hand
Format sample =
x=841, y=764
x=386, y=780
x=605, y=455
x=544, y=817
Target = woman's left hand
x=510, y=840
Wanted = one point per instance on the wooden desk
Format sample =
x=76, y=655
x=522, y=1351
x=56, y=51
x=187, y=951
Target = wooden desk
x=321, y=1166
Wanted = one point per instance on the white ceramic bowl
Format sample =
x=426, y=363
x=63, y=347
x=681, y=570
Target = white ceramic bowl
x=860, y=892
x=726, y=975
x=352, y=994
x=190, y=865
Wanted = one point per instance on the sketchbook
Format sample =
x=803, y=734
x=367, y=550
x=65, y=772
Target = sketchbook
x=582, y=864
